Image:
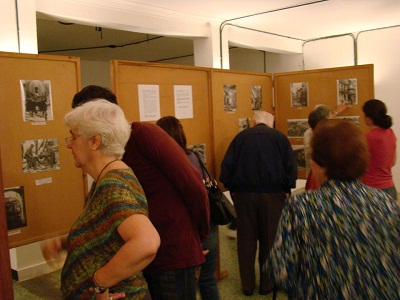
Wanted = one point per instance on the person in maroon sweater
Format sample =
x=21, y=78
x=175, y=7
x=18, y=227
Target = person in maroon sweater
x=177, y=199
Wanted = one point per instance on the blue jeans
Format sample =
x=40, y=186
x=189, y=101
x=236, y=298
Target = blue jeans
x=207, y=283
x=172, y=285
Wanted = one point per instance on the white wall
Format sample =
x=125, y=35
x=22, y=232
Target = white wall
x=380, y=48
x=95, y=72
x=275, y=63
x=329, y=53
x=241, y=59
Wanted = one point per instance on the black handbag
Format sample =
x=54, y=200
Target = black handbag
x=221, y=209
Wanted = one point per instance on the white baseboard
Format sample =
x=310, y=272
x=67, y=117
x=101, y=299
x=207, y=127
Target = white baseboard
x=33, y=271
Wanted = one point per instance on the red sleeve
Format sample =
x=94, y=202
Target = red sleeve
x=164, y=160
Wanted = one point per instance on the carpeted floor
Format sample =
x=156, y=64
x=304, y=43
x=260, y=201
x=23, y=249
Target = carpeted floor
x=42, y=287
x=47, y=286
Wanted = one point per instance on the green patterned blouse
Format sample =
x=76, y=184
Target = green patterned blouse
x=93, y=240
x=339, y=242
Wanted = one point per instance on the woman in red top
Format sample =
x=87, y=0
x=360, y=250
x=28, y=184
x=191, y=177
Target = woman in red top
x=382, y=147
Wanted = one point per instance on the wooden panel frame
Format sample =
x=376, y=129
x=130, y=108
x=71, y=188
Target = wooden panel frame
x=6, y=285
x=127, y=75
x=52, y=207
x=322, y=89
x=226, y=124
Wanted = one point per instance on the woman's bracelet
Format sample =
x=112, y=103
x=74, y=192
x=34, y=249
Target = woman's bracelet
x=99, y=289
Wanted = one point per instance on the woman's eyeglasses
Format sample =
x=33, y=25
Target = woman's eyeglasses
x=71, y=138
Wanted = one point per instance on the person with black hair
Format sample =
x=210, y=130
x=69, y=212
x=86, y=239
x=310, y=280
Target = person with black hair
x=92, y=92
x=382, y=147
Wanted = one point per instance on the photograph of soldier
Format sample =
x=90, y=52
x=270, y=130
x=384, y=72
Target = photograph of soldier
x=36, y=100
x=40, y=155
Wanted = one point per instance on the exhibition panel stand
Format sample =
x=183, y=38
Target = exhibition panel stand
x=44, y=191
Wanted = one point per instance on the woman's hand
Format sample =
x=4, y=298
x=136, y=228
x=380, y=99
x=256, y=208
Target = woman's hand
x=52, y=252
x=109, y=296
x=341, y=107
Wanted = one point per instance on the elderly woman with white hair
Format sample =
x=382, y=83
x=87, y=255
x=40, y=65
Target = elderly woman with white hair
x=112, y=240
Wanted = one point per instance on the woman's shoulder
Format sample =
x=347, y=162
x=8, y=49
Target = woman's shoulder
x=121, y=176
x=194, y=158
x=379, y=133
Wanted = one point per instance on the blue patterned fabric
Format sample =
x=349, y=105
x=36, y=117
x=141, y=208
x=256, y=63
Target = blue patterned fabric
x=338, y=242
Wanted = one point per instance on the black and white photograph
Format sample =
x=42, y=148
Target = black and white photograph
x=15, y=207
x=40, y=155
x=347, y=91
x=354, y=119
x=230, y=101
x=36, y=100
x=301, y=158
x=244, y=123
x=297, y=127
x=299, y=94
x=256, y=97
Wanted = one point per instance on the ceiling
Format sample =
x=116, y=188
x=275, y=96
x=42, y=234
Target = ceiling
x=298, y=19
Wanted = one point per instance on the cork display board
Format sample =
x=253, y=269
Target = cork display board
x=44, y=191
x=131, y=80
x=234, y=97
x=297, y=93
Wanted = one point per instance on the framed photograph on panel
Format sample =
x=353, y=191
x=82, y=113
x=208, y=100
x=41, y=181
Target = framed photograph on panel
x=347, y=91
x=299, y=94
x=297, y=127
x=256, y=97
x=36, y=100
x=15, y=207
x=40, y=155
x=230, y=102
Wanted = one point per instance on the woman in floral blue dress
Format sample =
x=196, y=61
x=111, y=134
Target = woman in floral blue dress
x=342, y=240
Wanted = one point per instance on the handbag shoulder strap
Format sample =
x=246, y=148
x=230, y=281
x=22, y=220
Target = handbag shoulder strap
x=203, y=167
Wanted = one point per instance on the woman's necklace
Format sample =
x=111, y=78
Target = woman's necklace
x=98, y=177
